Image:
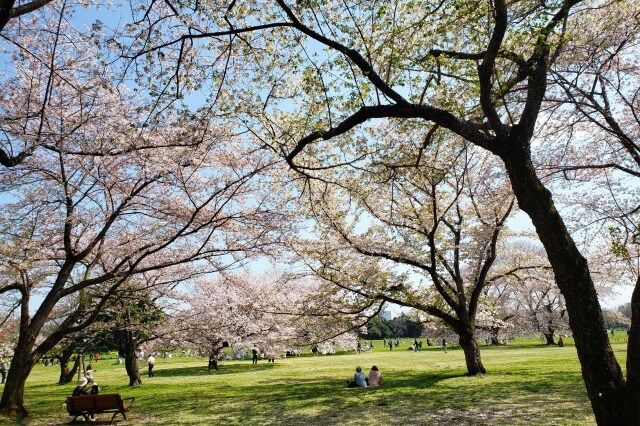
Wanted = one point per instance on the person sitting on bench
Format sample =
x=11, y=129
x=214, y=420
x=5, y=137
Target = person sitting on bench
x=81, y=389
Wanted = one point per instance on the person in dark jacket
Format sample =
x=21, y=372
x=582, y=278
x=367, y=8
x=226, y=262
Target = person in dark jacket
x=81, y=389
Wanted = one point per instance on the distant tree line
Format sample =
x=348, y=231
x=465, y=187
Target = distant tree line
x=400, y=326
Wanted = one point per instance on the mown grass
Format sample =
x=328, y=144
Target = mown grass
x=527, y=383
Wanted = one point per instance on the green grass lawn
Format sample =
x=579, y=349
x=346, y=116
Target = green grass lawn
x=527, y=383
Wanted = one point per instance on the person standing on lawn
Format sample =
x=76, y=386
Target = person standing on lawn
x=151, y=362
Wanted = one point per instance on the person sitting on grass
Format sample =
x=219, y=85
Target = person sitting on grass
x=358, y=379
x=81, y=389
x=375, y=377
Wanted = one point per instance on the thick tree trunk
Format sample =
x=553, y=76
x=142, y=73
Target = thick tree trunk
x=66, y=377
x=128, y=348
x=133, y=370
x=633, y=360
x=24, y=355
x=131, y=362
x=12, y=402
x=601, y=373
x=549, y=337
x=213, y=362
x=495, y=333
x=471, y=354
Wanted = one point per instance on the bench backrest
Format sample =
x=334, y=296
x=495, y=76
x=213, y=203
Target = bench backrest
x=95, y=403
x=108, y=401
x=80, y=403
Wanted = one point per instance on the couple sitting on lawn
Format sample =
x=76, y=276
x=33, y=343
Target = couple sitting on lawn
x=360, y=380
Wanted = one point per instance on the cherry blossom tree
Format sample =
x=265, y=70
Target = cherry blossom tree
x=541, y=305
x=44, y=63
x=594, y=101
x=140, y=312
x=438, y=217
x=9, y=10
x=524, y=297
x=72, y=221
x=226, y=311
x=593, y=97
x=54, y=70
x=253, y=310
x=86, y=224
x=309, y=77
x=476, y=70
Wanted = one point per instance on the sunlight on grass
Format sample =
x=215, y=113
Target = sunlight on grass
x=527, y=384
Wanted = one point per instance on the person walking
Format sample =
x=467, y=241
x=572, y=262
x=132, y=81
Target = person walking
x=88, y=373
x=151, y=362
x=254, y=352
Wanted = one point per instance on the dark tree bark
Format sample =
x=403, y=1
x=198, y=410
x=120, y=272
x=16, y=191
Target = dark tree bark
x=550, y=330
x=494, y=333
x=65, y=356
x=213, y=355
x=213, y=362
x=130, y=357
x=471, y=351
x=12, y=402
x=600, y=370
x=633, y=360
x=612, y=402
x=549, y=338
x=133, y=369
x=24, y=358
x=5, y=12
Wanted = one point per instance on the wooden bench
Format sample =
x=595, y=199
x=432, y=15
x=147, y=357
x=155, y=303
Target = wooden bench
x=89, y=405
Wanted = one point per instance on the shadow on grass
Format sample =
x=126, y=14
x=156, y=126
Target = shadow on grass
x=536, y=346
x=223, y=369
x=327, y=400
x=282, y=393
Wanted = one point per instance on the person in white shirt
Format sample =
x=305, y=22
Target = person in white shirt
x=88, y=373
x=151, y=361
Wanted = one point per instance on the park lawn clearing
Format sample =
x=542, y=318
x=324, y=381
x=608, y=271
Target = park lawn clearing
x=527, y=384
